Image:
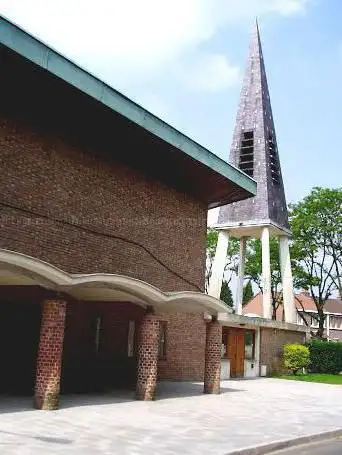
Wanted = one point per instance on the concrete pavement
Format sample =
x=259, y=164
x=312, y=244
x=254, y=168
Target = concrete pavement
x=182, y=420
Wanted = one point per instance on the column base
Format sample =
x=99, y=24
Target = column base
x=47, y=402
x=212, y=389
x=145, y=393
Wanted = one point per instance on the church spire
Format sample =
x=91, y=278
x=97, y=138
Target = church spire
x=254, y=150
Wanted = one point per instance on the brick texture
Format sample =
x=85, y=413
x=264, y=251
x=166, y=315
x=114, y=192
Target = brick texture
x=272, y=342
x=185, y=347
x=49, y=358
x=148, y=358
x=50, y=180
x=69, y=197
x=213, y=358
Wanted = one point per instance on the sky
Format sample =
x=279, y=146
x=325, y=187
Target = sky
x=184, y=59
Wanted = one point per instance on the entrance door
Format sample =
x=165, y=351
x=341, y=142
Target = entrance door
x=236, y=352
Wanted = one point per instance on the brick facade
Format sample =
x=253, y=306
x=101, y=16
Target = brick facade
x=272, y=342
x=185, y=346
x=49, y=359
x=64, y=206
x=148, y=357
x=213, y=357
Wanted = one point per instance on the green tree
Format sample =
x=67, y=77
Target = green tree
x=253, y=269
x=316, y=224
x=226, y=294
x=247, y=292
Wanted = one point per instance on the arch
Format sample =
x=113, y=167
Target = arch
x=106, y=286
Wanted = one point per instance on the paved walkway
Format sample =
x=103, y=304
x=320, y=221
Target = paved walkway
x=182, y=421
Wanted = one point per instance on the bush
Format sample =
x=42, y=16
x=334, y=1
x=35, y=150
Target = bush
x=296, y=357
x=325, y=357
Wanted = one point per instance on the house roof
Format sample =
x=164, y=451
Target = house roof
x=188, y=164
x=302, y=301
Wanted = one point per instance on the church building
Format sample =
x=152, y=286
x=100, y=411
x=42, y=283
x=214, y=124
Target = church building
x=103, y=237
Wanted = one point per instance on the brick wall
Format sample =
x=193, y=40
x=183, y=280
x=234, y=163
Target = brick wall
x=69, y=196
x=50, y=191
x=185, y=348
x=86, y=367
x=272, y=342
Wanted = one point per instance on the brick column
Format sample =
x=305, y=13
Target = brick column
x=212, y=370
x=49, y=361
x=148, y=358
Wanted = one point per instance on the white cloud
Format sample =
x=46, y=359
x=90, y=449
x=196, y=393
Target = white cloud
x=127, y=40
x=210, y=72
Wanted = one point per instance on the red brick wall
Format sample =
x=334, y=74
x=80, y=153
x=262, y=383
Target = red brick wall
x=272, y=342
x=185, y=348
x=44, y=175
x=185, y=344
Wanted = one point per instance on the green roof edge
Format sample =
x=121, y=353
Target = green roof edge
x=15, y=38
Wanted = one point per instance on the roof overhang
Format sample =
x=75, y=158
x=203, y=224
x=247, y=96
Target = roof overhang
x=18, y=269
x=150, y=145
x=236, y=320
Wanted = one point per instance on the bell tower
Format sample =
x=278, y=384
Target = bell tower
x=254, y=150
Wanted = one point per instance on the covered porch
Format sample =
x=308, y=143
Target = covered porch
x=90, y=333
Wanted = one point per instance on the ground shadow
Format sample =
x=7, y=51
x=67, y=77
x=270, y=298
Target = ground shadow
x=51, y=440
x=12, y=404
x=165, y=390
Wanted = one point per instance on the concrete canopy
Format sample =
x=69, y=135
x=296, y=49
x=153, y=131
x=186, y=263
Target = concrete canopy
x=22, y=270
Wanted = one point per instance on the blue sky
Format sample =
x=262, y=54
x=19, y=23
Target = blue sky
x=184, y=59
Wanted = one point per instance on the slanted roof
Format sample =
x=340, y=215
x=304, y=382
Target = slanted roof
x=303, y=302
x=164, y=152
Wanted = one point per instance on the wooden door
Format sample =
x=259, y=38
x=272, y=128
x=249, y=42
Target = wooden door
x=236, y=352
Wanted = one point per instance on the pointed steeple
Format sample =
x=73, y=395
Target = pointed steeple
x=254, y=150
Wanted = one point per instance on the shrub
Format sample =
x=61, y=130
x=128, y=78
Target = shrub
x=296, y=357
x=325, y=357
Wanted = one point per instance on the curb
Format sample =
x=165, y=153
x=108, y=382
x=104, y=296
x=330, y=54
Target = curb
x=288, y=443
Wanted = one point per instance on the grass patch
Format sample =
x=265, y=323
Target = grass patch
x=314, y=377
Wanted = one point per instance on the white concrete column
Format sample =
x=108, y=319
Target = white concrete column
x=215, y=283
x=287, y=282
x=266, y=273
x=241, y=275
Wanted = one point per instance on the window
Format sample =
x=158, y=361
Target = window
x=336, y=322
x=162, y=340
x=274, y=161
x=130, y=338
x=249, y=344
x=246, y=163
x=300, y=319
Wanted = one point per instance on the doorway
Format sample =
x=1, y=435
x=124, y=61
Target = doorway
x=236, y=352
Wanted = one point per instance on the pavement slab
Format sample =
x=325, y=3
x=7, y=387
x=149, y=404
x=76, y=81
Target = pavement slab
x=182, y=420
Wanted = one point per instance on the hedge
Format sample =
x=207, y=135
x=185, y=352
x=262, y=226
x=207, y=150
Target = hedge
x=325, y=357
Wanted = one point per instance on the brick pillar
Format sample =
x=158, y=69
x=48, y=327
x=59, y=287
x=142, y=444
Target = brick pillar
x=212, y=370
x=148, y=358
x=49, y=361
